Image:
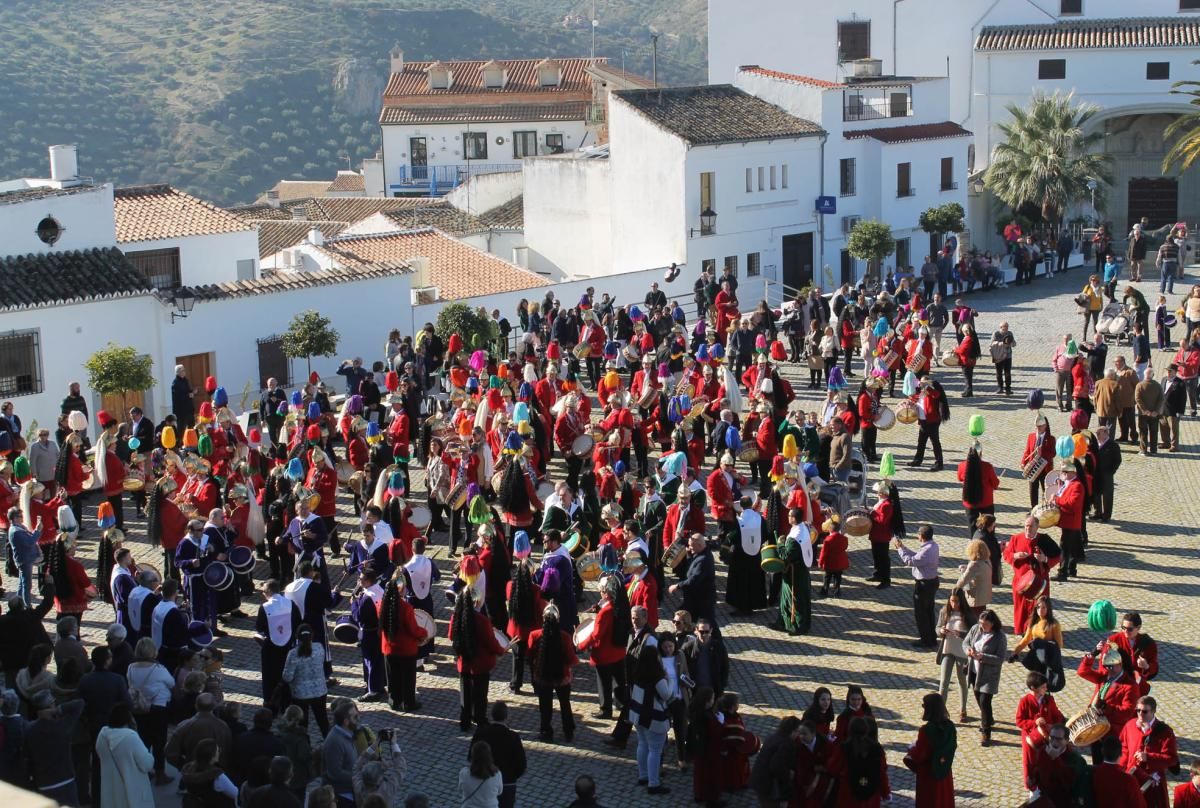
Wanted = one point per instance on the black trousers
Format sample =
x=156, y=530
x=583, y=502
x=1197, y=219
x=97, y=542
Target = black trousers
x=437, y=512
x=869, y=436
x=924, y=595
x=546, y=695
x=929, y=433
x=1128, y=423
x=968, y=372
x=520, y=660
x=319, y=711
x=1004, y=374
x=402, y=681
x=472, y=699
x=882, y=561
x=986, y=719
x=118, y=509
x=1148, y=433
x=152, y=729
x=1102, y=497
x=574, y=466
x=1035, y=490
x=1072, y=550
x=282, y=563
x=607, y=676
x=458, y=521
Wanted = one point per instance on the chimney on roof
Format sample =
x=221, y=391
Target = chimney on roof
x=419, y=264
x=64, y=165
x=315, y=237
x=397, y=59
x=298, y=214
x=273, y=198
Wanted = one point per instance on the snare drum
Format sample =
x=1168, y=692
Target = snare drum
x=889, y=359
x=344, y=472
x=345, y=631
x=504, y=640
x=584, y=632
x=241, y=559
x=771, y=562
x=906, y=412
x=142, y=566
x=457, y=498
x=917, y=363
x=582, y=350
x=857, y=521
x=133, y=484
x=950, y=359
x=1033, y=469
x=425, y=621
x=582, y=446
x=748, y=453
x=218, y=576
x=633, y=564
x=1088, y=727
x=885, y=419
x=588, y=567
x=576, y=544
x=1047, y=514
x=420, y=517
x=674, y=555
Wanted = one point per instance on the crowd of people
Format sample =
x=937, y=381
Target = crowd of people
x=636, y=450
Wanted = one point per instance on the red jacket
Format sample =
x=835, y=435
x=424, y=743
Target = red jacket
x=206, y=497
x=833, y=556
x=524, y=517
x=487, y=648
x=406, y=639
x=78, y=601
x=358, y=454
x=1120, y=699
x=323, y=481
x=74, y=475
x=1070, y=504
x=694, y=522
x=1186, y=796
x=643, y=591
x=847, y=334
x=570, y=660
x=1047, y=449
x=990, y=483
x=620, y=419
x=1029, y=710
x=881, y=522
x=1161, y=754
x=116, y=474
x=968, y=350
x=604, y=651
x=567, y=427
x=931, y=400
x=720, y=497
x=1114, y=787
x=866, y=410
x=539, y=604
x=768, y=444
x=1081, y=381
x=1147, y=649
x=172, y=524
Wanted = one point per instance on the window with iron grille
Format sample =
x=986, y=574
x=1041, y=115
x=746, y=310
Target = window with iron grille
x=846, y=170
x=160, y=268
x=731, y=262
x=20, y=363
x=948, y=183
x=753, y=264
x=904, y=179
x=272, y=362
x=854, y=40
x=475, y=145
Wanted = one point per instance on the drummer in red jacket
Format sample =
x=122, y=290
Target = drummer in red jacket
x=1139, y=653
x=1037, y=712
x=979, y=484
x=525, y=606
x=476, y=651
x=551, y=662
x=1071, y=501
x=606, y=644
x=1116, y=694
x=400, y=639
x=1039, y=443
x=968, y=354
x=883, y=518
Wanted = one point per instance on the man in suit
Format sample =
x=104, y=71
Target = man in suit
x=700, y=585
x=641, y=636
x=1108, y=460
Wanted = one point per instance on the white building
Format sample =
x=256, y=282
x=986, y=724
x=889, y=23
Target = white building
x=891, y=153
x=995, y=53
x=698, y=176
x=188, y=291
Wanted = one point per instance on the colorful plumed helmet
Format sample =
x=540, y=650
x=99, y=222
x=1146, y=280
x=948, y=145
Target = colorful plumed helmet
x=612, y=380
x=611, y=349
x=105, y=516
x=702, y=353
x=910, y=383
x=521, y=546
x=479, y=513
x=778, y=352
x=204, y=446
x=790, y=450
x=837, y=381
x=619, y=468
x=374, y=433
x=675, y=463
x=760, y=343
x=664, y=372
x=975, y=425
x=887, y=465
x=1102, y=616
x=205, y=414
x=220, y=397
x=295, y=469
x=77, y=421
x=1035, y=399
x=354, y=404
x=810, y=470
x=395, y=484
x=1078, y=419
x=190, y=438
x=524, y=392
x=636, y=315
x=314, y=411
x=1065, y=447
x=314, y=378
x=167, y=438
x=472, y=385
x=716, y=352
x=494, y=381
x=254, y=436
x=675, y=410
x=297, y=399
x=494, y=399
x=454, y=344
x=520, y=411
x=392, y=381
x=478, y=360
x=524, y=429
x=21, y=469
x=210, y=385
x=313, y=433
x=513, y=443
x=777, y=472
x=469, y=569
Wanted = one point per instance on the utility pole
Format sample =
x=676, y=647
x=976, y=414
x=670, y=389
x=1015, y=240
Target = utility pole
x=654, y=60
x=595, y=25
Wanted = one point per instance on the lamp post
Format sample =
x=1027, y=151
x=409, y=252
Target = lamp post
x=1092, y=187
x=708, y=221
x=184, y=301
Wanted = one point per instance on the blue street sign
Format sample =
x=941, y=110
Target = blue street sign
x=827, y=204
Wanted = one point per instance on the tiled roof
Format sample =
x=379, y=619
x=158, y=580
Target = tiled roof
x=153, y=212
x=616, y=75
x=1131, y=32
x=26, y=194
x=279, y=234
x=348, y=181
x=509, y=216
x=457, y=269
x=794, y=78
x=717, y=113
x=254, y=213
x=467, y=78
x=277, y=282
x=27, y=281
x=287, y=190
x=446, y=218
x=485, y=113
x=908, y=134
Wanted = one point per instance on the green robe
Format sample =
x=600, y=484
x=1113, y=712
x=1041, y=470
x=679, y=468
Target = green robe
x=795, y=596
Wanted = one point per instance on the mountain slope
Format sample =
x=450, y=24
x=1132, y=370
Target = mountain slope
x=223, y=99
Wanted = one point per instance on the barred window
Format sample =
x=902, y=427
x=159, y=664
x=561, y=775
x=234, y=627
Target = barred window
x=20, y=363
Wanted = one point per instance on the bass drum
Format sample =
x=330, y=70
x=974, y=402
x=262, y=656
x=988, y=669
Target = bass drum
x=771, y=562
x=584, y=632
x=588, y=567
x=885, y=420
x=906, y=412
x=421, y=517
x=425, y=621
x=345, y=631
x=218, y=576
x=1088, y=727
x=857, y=521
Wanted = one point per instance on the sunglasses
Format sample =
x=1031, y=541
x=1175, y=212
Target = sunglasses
x=1127, y=629
x=704, y=633
x=1142, y=711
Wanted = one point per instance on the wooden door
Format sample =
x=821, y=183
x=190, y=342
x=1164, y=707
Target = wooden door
x=197, y=368
x=1156, y=198
x=117, y=404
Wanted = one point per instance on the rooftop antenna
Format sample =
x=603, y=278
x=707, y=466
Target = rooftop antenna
x=595, y=25
x=654, y=59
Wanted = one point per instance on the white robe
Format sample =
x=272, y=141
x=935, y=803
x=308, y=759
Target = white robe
x=125, y=763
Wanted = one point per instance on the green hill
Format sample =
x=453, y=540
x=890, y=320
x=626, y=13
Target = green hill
x=223, y=99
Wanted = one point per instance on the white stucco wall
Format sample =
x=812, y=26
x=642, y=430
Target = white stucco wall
x=483, y=192
x=86, y=217
x=568, y=216
x=206, y=259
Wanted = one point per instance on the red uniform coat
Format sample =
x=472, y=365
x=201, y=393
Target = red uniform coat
x=766, y=438
x=1114, y=787
x=358, y=454
x=539, y=604
x=643, y=591
x=968, y=351
x=930, y=401
x=604, y=392
x=487, y=649
x=621, y=419
x=524, y=517
x=116, y=474
x=78, y=601
x=1046, y=450
x=1147, y=649
x=237, y=521
x=833, y=556
x=604, y=651
x=641, y=380
x=74, y=476
x=1023, y=607
x=1161, y=754
x=990, y=483
x=172, y=524
x=1070, y=503
x=323, y=480
x=881, y=522
x=1186, y=796
x=922, y=347
x=546, y=393
x=812, y=779
x=720, y=497
x=570, y=660
x=206, y=497
x=405, y=640
x=567, y=427
x=693, y=523
x=1120, y=700
x=931, y=793
x=866, y=409
x=1029, y=710
x=1053, y=776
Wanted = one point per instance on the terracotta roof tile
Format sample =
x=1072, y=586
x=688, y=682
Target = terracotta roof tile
x=287, y=190
x=283, y=281
x=457, y=269
x=467, y=78
x=279, y=234
x=509, y=216
x=29, y=281
x=795, y=78
x=31, y=193
x=485, y=113
x=607, y=72
x=446, y=218
x=1132, y=32
x=154, y=212
x=348, y=181
x=254, y=213
x=717, y=113
x=908, y=134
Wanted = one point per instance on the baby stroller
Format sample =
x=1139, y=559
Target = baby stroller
x=1116, y=322
x=839, y=497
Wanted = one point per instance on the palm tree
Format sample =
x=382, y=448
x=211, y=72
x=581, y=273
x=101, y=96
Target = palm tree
x=1186, y=128
x=1046, y=158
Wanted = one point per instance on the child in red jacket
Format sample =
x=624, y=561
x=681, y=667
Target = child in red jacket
x=833, y=558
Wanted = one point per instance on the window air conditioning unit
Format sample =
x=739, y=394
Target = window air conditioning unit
x=848, y=223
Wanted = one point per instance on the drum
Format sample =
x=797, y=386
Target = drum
x=425, y=621
x=633, y=564
x=420, y=517
x=142, y=566
x=1029, y=582
x=648, y=396
x=199, y=634
x=917, y=363
x=889, y=359
x=582, y=350
x=584, y=632
x=748, y=453
x=241, y=559
x=582, y=446
x=576, y=544
x=132, y=484
x=504, y=640
x=344, y=472
x=1047, y=514
x=771, y=562
x=357, y=480
x=950, y=359
x=631, y=354
x=497, y=480
x=857, y=521
x=588, y=567
x=218, y=576
x=345, y=631
x=457, y=498
x=1032, y=469
x=1088, y=727
x=906, y=412
x=673, y=556
x=885, y=419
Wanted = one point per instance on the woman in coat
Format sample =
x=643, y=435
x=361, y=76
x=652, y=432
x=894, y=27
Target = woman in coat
x=861, y=769
x=953, y=622
x=651, y=720
x=125, y=763
x=985, y=646
x=985, y=531
x=975, y=579
x=676, y=667
x=932, y=756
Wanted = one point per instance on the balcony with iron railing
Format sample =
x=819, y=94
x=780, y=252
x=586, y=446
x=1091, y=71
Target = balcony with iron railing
x=877, y=104
x=441, y=179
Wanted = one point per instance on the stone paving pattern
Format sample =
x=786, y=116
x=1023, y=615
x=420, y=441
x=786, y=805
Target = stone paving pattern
x=1143, y=559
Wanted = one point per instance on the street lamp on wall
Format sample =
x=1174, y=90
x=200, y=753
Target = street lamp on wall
x=708, y=222
x=184, y=302
x=977, y=186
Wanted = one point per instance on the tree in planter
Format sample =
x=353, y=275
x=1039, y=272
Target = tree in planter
x=310, y=335
x=475, y=327
x=119, y=370
x=940, y=219
x=871, y=241
x=1045, y=159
